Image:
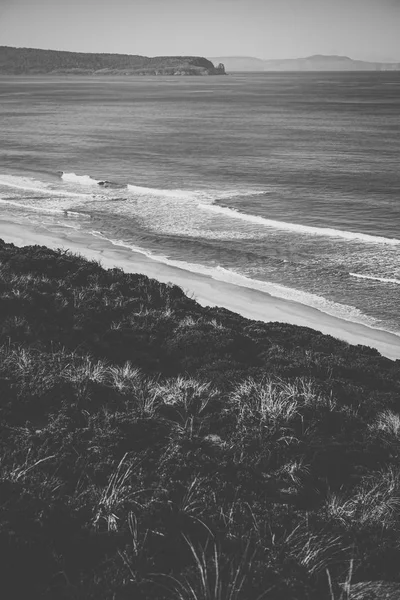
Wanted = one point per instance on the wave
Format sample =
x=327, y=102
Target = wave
x=373, y=278
x=297, y=228
x=33, y=185
x=23, y=183
x=81, y=179
x=204, y=200
x=342, y=311
x=88, y=180
x=193, y=194
x=166, y=193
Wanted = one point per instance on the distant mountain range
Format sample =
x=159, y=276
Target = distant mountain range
x=32, y=61
x=311, y=63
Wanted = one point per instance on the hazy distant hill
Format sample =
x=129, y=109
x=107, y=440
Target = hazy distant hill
x=311, y=63
x=32, y=61
x=240, y=63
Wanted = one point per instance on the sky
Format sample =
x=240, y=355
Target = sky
x=361, y=29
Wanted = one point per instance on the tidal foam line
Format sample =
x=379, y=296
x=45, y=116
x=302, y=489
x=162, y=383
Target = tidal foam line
x=373, y=278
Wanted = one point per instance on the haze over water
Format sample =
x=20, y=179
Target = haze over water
x=288, y=183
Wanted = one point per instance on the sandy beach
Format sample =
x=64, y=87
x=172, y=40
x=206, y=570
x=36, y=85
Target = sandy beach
x=207, y=291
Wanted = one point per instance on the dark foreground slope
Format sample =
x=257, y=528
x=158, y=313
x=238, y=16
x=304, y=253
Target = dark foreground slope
x=32, y=61
x=155, y=449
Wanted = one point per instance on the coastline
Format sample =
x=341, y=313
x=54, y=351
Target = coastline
x=248, y=302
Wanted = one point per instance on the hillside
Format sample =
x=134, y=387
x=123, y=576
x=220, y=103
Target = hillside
x=31, y=61
x=311, y=63
x=157, y=450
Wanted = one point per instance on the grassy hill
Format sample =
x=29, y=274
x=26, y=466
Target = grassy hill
x=32, y=61
x=155, y=449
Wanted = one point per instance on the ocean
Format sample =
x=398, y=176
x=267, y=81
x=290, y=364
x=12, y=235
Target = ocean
x=282, y=182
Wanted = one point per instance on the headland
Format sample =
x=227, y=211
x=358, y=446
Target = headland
x=34, y=61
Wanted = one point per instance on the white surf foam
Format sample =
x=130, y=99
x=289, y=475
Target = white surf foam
x=32, y=185
x=146, y=191
x=46, y=209
x=373, y=278
x=80, y=179
x=297, y=228
x=29, y=184
x=139, y=190
x=193, y=194
x=342, y=311
x=30, y=207
x=78, y=215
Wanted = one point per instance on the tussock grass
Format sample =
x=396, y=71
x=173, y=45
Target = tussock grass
x=19, y=473
x=376, y=502
x=87, y=370
x=118, y=492
x=295, y=471
x=216, y=324
x=212, y=582
x=192, y=502
x=188, y=322
x=267, y=401
x=315, y=551
x=126, y=378
x=388, y=423
x=189, y=397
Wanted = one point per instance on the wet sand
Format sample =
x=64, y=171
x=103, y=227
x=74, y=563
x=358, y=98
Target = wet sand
x=207, y=291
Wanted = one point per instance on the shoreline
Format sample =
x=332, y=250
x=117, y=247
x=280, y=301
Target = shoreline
x=250, y=303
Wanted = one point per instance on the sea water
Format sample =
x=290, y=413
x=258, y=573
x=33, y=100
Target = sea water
x=282, y=182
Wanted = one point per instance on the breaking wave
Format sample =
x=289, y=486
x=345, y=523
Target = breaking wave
x=89, y=180
x=371, y=277
x=138, y=190
x=32, y=185
x=191, y=194
x=297, y=228
x=81, y=179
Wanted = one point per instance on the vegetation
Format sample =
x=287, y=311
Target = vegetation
x=32, y=61
x=155, y=449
